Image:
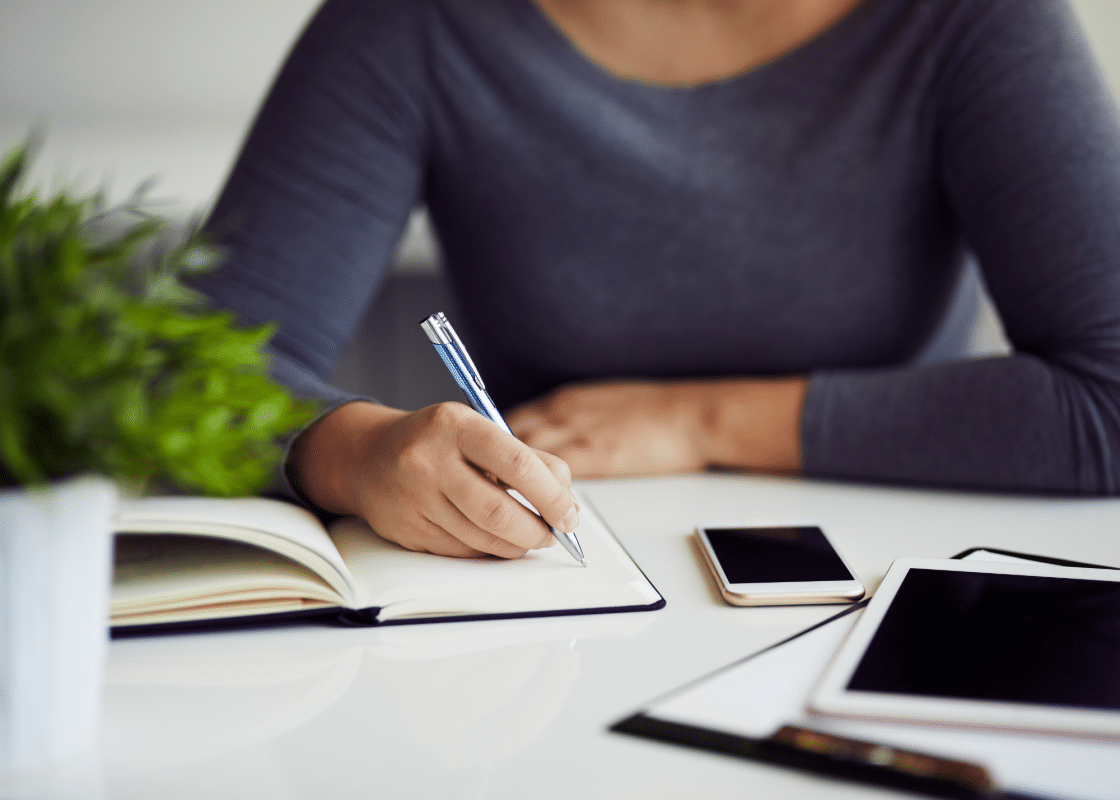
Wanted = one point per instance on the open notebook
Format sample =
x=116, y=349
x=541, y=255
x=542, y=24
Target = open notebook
x=197, y=562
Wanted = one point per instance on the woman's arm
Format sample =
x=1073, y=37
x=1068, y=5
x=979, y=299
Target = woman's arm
x=1029, y=152
x=416, y=479
x=649, y=428
x=1028, y=149
x=310, y=217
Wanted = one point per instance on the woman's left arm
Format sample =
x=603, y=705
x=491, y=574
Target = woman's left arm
x=1028, y=148
x=651, y=428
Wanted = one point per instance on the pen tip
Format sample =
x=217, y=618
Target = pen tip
x=583, y=563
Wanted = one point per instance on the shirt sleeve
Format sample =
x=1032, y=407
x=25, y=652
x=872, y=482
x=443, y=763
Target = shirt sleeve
x=324, y=185
x=1028, y=148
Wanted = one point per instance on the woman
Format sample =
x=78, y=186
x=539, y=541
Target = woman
x=686, y=234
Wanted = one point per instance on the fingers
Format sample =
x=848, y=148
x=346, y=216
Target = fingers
x=552, y=422
x=521, y=468
x=461, y=532
x=526, y=421
x=537, y=426
x=427, y=536
x=550, y=438
x=424, y=536
x=558, y=466
x=580, y=459
x=435, y=480
x=481, y=514
x=444, y=530
x=562, y=471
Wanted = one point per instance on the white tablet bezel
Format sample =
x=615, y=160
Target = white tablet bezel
x=831, y=697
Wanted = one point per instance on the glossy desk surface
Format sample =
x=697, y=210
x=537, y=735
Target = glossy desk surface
x=520, y=708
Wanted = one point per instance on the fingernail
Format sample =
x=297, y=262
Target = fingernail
x=570, y=521
x=575, y=502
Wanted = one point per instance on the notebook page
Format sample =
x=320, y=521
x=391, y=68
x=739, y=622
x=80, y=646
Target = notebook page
x=281, y=527
x=406, y=584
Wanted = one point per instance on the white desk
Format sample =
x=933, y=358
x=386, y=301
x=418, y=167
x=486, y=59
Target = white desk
x=520, y=708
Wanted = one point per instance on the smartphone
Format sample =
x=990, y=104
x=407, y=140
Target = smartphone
x=777, y=565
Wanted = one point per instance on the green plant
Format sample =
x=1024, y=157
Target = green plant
x=109, y=363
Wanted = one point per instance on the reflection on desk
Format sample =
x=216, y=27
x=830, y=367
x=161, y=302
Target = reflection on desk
x=465, y=696
x=516, y=708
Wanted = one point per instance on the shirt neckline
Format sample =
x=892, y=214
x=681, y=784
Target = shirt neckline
x=838, y=30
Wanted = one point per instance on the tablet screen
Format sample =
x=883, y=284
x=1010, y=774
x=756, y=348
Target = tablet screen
x=998, y=637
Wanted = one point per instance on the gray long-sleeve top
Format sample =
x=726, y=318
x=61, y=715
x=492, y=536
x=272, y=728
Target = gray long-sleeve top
x=808, y=216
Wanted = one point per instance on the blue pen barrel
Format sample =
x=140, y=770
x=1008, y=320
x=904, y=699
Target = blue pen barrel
x=477, y=398
x=451, y=350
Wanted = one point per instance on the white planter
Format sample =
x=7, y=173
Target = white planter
x=55, y=575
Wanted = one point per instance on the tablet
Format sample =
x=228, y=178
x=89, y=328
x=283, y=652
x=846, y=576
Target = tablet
x=1019, y=646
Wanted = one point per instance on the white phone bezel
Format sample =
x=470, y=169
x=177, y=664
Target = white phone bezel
x=831, y=697
x=782, y=593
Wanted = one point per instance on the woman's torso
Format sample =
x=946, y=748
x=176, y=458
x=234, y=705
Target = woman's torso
x=785, y=219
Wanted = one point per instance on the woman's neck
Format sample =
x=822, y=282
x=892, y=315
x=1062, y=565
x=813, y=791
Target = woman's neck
x=689, y=42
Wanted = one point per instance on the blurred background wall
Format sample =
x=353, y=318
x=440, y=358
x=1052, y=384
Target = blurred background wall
x=126, y=90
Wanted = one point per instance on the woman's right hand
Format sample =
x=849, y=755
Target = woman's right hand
x=434, y=480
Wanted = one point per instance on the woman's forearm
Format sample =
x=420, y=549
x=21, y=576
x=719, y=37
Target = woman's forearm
x=657, y=427
x=750, y=423
x=326, y=458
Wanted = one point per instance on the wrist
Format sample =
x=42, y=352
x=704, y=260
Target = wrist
x=326, y=459
x=753, y=424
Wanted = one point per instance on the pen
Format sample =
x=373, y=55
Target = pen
x=458, y=361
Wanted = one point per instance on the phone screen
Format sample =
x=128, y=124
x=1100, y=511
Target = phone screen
x=776, y=555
